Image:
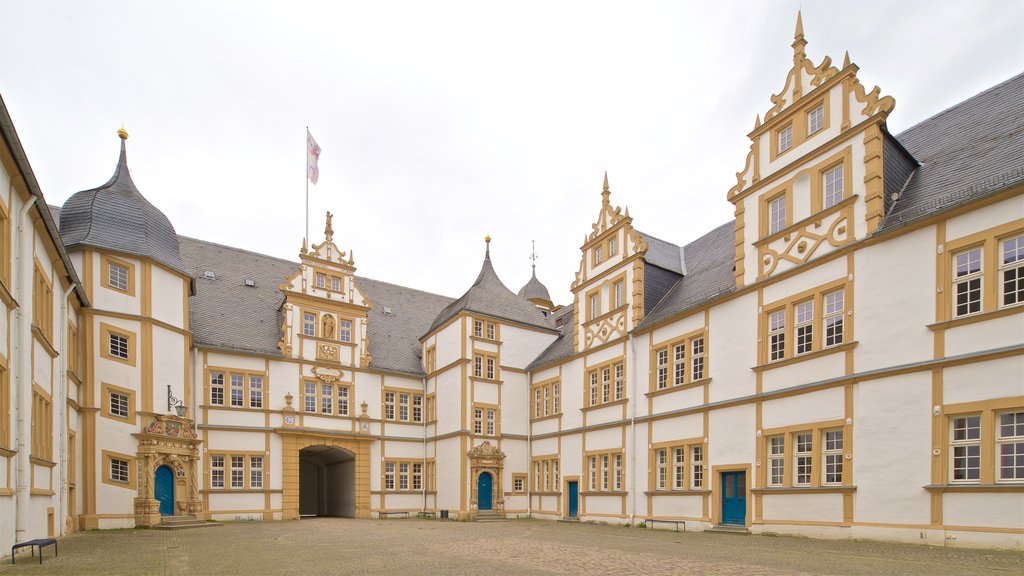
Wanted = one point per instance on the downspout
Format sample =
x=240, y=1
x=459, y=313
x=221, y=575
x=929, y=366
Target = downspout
x=529, y=449
x=632, y=429
x=423, y=471
x=22, y=372
x=63, y=400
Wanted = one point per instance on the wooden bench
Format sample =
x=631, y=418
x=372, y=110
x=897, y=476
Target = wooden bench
x=33, y=544
x=649, y=523
x=386, y=515
x=426, y=514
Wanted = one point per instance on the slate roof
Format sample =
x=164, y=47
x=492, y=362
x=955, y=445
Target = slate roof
x=663, y=254
x=562, y=346
x=489, y=296
x=966, y=152
x=117, y=217
x=534, y=289
x=227, y=314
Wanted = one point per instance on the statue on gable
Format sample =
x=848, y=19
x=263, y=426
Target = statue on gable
x=328, y=330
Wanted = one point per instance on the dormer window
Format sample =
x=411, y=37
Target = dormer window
x=613, y=246
x=320, y=280
x=335, y=284
x=785, y=138
x=597, y=255
x=815, y=119
x=478, y=328
x=832, y=186
x=118, y=277
x=777, y=214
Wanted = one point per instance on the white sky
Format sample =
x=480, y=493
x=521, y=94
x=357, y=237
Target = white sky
x=443, y=121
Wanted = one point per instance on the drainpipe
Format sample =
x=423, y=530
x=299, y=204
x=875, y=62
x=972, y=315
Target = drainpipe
x=529, y=446
x=632, y=429
x=423, y=471
x=22, y=359
x=62, y=400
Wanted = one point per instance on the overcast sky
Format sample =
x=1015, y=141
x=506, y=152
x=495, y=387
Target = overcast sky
x=443, y=121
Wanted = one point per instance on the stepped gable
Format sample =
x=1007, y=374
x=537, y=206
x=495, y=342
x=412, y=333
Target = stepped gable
x=117, y=217
x=970, y=150
x=227, y=314
x=489, y=296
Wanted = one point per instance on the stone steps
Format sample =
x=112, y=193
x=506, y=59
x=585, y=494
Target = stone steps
x=182, y=523
x=489, y=516
x=727, y=529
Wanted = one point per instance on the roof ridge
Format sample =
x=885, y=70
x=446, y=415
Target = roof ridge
x=960, y=103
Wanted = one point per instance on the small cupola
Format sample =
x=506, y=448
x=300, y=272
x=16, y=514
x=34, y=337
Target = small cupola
x=534, y=290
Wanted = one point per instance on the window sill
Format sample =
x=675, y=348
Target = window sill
x=977, y=317
x=1008, y=487
x=809, y=356
x=605, y=316
x=677, y=492
x=548, y=417
x=7, y=452
x=805, y=490
x=485, y=379
x=240, y=490
x=45, y=341
x=485, y=339
x=678, y=387
x=41, y=462
x=605, y=405
x=5, y=295
x=607, y=493
x=537, y=493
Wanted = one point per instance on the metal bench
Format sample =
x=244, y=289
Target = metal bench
x=426, y=514
x=649, y=523
x=33, y=544
x=386, y=515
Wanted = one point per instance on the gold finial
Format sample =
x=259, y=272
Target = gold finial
x=487, y=238
x=122, y=133
x=329, y=230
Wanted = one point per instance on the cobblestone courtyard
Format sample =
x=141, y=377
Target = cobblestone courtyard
x=341, y=546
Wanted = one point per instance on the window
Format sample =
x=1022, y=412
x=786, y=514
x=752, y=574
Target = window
x=490, y=330
x=237, y=472
x=662, y=369
x=42, y=303
x=613, y=246
x=256, y=392
x=119, y=404
x=1010, y=446
x=777, y=335
x=400, y=405
x=490, y=422
x=670, y=465
x=776, y=214
x=620, y=293
x=1011, y=270
x=804, y=326
x=776, y=460
x=597, y=255
x=431, y=408
x=309, y=403
x=617, y=472
x=606, y=472
x=320, y=280
x=485, y=420
x=389, y=475
x=118, y=346
x=545, y=474
x=345, y=330
x=966, y=448
x=834, y=318
x=417, y=408
x=833, y=457
x=698, y=358
x=662, y=460
x=697, y=464
x=119, y=470
x=216, y=471
x=815, y=119
x=485, y=366
x=679, y=468
x=431, y=360
x=478, y=328
x=217, y=388
x=802, y=458
x=403, y=475
x=595, y=305
x=832, y=186
x=417, y=475
x=518, y=483
x=308, y=324
x=237, y=390
x=117, y=277
x=326, y=398
x=256, y=471
x=967, y=282
x=335, y=284
x=612, y=383
x=343, y=400
x=785, y=138
x=546, y=399
x=42, y=424
x=389, y=405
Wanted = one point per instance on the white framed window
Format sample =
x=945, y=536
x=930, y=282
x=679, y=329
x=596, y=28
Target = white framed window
x=613, y=246
x=389, y=475
x=662, y=378
x=965, y=444
x=255, y=391
x=679, y=468
x=604, y=472
x=537, y=403
x=802, y=458
x=237, y=472
x=403, y=406
x=556, y=406
x=815, y=119
x=597, y=255
x=776, y=460
x=834, y=317
x=320, y=279
x=478, y=421
x=256, y=472
x=593, y=388
x=592, y=463
x=698, y=358
x=417, y=408
x=967, y=281
x=216, y=471
x=554, y=474
x=389, y=405
x=804, y=325
x=697, y=465
x=547, y=476
x=119, y=470
x=517, y=484
x=679, y=364
x=117, y=277
x=417, y=476
x=478, y=328
x=478, y=366
x=1011, y=270
x=309, y=403
x=832, y=186
x=620, y=381
x=237, y=390
x=343, y=400
x=833, y=457
x=777, y=335
x=595, y=305
x=119, y=404
x=547, y=400
x=491, y=421
x=217, y=388
x=335, y=284
x=620, y=293
x=785, y=138
x=403, y=476
x=490, y=330
x=1010, y=446
x=606, y=384
x=345, y=330
x=490, y=367
x=119, y=346
x=777, y=214
x=308, y=324
x=662, y=459
x=327, y=399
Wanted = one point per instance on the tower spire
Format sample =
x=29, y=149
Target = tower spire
x=605, y=193
x=798, y=39
x=533, y=256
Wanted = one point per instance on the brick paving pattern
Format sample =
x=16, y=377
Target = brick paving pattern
x=518, y=547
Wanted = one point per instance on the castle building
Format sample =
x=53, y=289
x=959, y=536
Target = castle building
x=845, y=359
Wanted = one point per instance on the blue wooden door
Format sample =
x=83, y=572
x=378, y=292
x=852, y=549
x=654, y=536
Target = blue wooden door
x=163, y=490
x=574, y=499
x=484, y=499
x=734, y=498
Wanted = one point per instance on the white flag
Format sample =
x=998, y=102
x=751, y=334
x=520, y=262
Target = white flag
x=312, y=156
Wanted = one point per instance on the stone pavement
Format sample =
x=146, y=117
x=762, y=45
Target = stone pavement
x=343, y=546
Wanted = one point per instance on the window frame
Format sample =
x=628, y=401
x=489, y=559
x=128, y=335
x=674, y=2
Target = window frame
x=607, y=383
x=107, y=391
x=107, y=263
x=680, y=362
x=392, y=406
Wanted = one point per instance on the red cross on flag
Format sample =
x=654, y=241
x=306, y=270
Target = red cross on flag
x=312, y=156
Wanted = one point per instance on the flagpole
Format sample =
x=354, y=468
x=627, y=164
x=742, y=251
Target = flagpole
x=307, y=187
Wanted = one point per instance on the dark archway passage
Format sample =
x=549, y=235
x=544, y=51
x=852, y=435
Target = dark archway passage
x=327, y=483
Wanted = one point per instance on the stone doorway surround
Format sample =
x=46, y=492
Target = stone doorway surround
x=486, y=458
x=168, y=441
x=294, y=440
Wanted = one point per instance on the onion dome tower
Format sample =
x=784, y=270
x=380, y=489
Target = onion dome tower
x=533, y=290
x=117, y=217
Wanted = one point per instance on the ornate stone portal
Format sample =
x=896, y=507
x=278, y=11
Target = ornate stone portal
x=487, y=458
x=168, y=441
